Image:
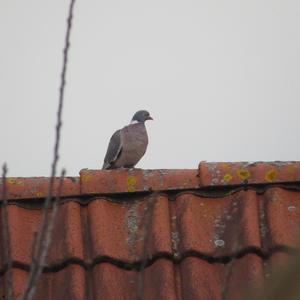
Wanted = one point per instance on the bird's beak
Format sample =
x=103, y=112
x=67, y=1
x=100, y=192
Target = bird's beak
x=149, y=118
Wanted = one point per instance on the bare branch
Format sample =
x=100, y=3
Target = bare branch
x=6, y=237
x=48, y=235
x=44, y=235
x=43, y=246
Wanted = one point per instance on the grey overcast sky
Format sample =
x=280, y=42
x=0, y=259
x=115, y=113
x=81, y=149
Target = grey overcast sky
x=220, y=78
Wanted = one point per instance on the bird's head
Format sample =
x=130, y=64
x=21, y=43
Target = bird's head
x=141, y=116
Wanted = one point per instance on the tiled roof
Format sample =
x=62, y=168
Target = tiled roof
x=211, y=233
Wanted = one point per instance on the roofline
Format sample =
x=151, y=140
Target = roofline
x=208, y=174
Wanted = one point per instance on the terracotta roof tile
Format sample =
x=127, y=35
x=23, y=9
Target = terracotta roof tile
x=214, y=174
x=136, y=180
x=36, y=188
x=193, y=278
x=175, y=234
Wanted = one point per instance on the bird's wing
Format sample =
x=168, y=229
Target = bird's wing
x=113, y=151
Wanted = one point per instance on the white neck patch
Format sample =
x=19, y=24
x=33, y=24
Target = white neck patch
x=134, y=122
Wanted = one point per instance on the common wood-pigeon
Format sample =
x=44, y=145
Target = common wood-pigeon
x=128, y=145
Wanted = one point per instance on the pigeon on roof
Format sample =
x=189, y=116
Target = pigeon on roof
x=128, y=145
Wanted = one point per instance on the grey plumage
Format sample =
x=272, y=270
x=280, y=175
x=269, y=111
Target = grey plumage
x=128, y=145
x=113, y=151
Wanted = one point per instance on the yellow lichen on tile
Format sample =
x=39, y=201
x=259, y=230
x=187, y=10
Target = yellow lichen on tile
x=14, y=181
x=227, y=177
x=11, y=181
x=86, y=178
x=243, y=174
x=131, y=182
x=271, y=175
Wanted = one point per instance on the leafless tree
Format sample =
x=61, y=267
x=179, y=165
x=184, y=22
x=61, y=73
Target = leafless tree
x=6, y=237
x=44, y=236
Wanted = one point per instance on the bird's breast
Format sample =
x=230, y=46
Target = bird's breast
x=134, y=141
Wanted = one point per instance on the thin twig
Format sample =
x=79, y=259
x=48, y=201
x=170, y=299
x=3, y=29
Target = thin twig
x=48, y=235
x=40, y=251
x=147, y=223
x=40, y=254
x=6, y=237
